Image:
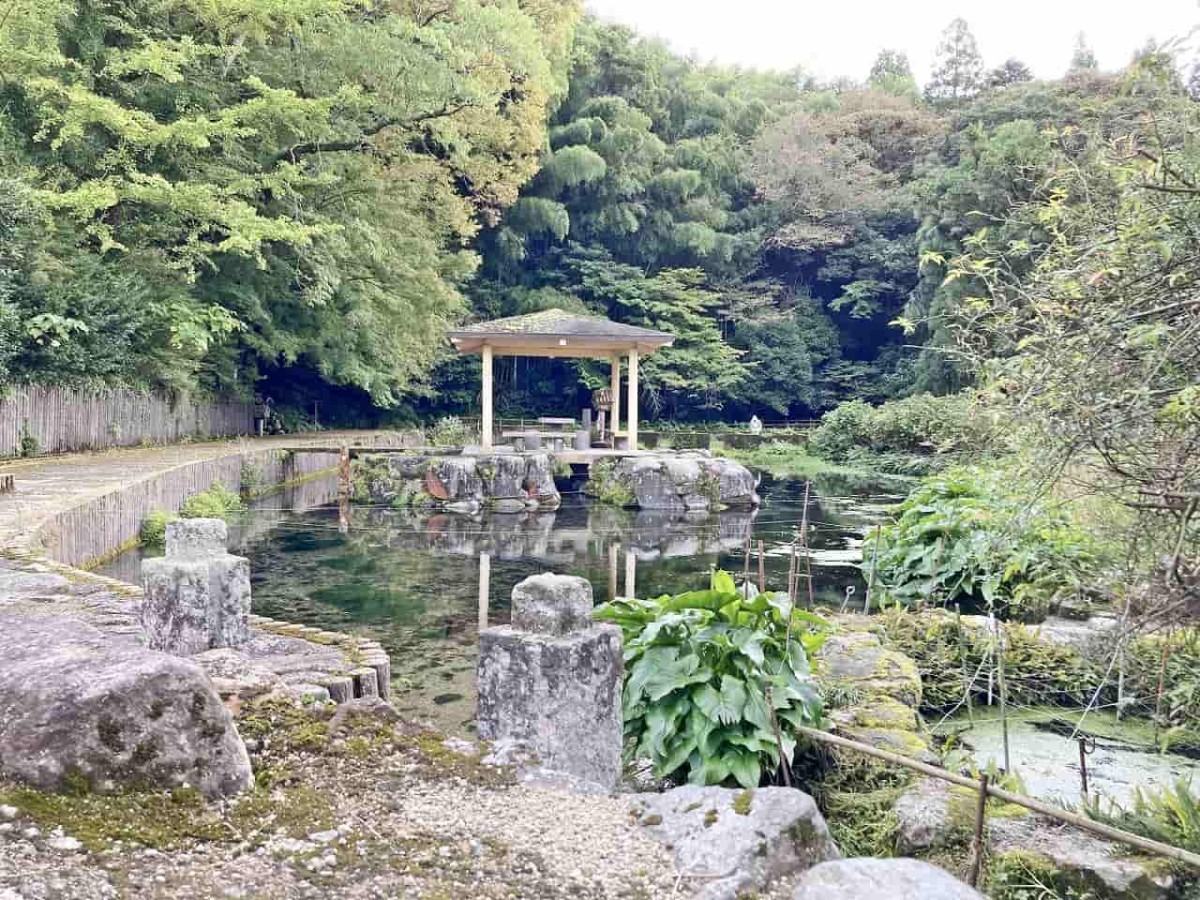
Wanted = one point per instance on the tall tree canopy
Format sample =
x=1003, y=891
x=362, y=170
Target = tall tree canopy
x=274, y=183
x=299, y=197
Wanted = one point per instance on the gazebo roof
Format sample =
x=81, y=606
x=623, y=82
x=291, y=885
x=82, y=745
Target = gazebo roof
x=555, y=332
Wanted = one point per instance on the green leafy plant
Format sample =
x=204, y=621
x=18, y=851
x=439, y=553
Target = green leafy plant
x=153, y=532
x=963, y=538
x=710, y=675
x=921, y=424
x=29, y=443
x=449, y=431
x=218, y=502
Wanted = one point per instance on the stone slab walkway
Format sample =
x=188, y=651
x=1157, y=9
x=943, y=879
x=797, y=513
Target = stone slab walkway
x=47, y=486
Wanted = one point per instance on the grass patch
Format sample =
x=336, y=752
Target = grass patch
x=162, y=820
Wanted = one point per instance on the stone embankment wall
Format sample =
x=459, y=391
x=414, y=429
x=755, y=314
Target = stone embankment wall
x=85, y=533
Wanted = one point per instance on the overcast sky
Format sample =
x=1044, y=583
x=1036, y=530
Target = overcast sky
x=832, y=39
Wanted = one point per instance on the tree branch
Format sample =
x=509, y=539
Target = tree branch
x=362, y=143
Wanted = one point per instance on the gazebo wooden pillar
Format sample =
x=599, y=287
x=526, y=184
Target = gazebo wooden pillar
x=555, y=333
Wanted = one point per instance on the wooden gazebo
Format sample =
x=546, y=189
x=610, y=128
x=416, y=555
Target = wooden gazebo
x=555, y=333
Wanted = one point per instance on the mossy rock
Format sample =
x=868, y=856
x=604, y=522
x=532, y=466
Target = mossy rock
x=879, y=711
x=858, y=661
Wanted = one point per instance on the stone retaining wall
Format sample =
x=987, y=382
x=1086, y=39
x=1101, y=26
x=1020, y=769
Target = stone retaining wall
x=84, y=534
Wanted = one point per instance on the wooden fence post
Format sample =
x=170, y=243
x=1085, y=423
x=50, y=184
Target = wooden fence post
x=977, y=842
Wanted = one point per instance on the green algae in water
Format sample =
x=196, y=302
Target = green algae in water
x=1047, y=760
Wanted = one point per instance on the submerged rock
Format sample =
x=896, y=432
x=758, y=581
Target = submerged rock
x=75, y=706
x=464, y=484
x=674, y=481
x=893, y=879
x=735, y=842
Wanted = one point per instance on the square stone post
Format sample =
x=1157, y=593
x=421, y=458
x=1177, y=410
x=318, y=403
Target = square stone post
x=197, y=597
x=551, y=682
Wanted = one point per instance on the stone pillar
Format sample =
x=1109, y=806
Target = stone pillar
x=198, y=595
x=551, y=681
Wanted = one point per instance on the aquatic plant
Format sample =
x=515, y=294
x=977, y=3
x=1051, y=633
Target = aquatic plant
x=218, y=502
x=717, y=680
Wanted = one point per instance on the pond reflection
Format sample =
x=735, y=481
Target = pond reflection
x=423, y=584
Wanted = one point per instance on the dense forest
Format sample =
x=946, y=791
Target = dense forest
x=297, y=198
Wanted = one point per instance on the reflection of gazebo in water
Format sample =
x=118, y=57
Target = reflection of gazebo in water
x=555, y=333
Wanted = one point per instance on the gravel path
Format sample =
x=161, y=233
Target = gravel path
x=361, y=811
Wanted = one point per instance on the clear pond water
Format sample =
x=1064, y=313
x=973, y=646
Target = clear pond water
x=413, y=580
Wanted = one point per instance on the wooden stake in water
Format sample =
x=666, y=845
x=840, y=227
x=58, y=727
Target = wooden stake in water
x=871, y=583
x=343, y=489
x=966, y=669
x=746, y=570
x=1083, y=753
x=762, y=569
x=804, y=542
x=1003, y=692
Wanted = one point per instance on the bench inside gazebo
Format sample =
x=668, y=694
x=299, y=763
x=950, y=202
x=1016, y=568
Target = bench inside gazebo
x=556, y=333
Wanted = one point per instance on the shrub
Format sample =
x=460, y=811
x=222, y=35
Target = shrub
x=1038, y=673
x=963, y=538
x=700, y=668
x=921, y=424
x=153, y=532
x=1170, y=815
x=449, y=431
x=218, y=502
x=1176, y=660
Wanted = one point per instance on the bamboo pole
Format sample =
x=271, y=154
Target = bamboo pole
x=762, y=569
x=1045, y=809
x=966, y=669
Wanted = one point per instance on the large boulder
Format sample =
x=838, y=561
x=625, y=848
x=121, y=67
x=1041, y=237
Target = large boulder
x=75, y=705
x=693, y=482
x=467, y=483
x=735, y=842
x=1077, y=862
x=893, y=879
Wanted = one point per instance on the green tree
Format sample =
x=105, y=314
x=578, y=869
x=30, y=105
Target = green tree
x=1082, y=57
x=1013, y=71
x=958, y=66
x=892, y=74
x=286, y=185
